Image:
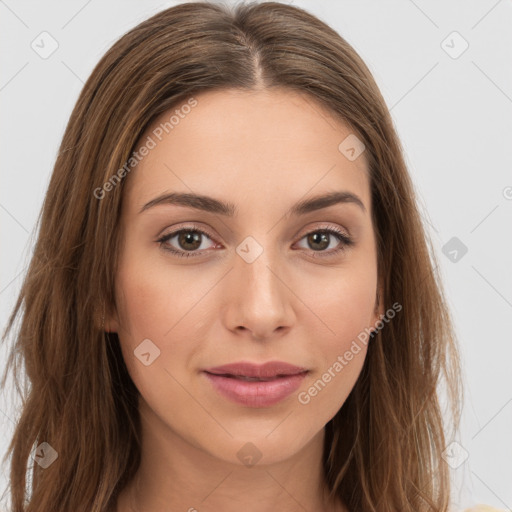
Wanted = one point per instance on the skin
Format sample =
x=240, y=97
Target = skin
x=262, y=151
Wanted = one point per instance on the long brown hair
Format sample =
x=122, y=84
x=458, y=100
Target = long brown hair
x=383, y=448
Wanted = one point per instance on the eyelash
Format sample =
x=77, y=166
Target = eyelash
x=345, y=240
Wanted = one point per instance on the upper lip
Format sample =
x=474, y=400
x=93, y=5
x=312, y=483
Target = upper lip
x=247, y=369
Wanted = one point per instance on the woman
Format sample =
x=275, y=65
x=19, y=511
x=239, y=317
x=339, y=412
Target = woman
x=231, y=302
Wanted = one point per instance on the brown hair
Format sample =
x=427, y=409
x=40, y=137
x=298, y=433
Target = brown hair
x=383, y=448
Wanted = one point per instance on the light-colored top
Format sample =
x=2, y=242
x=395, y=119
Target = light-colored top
x=483, y=508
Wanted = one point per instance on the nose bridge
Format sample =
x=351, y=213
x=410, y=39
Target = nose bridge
x=256, y=266
x=261, y=302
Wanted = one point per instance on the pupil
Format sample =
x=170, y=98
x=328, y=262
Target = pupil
x=190, y=237
x=322, y=238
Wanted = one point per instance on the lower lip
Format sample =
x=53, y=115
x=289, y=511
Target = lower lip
x=256, y=393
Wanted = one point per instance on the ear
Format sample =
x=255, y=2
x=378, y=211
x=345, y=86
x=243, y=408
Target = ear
x=378, y=311
x=106, y=321
x=111, y=323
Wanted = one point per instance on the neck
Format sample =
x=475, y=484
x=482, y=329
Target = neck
x=174, y=475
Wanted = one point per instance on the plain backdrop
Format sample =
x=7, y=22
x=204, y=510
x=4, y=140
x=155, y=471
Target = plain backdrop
x=444, y=69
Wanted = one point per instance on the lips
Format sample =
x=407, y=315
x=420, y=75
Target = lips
x=251, y=371
x=254, y=385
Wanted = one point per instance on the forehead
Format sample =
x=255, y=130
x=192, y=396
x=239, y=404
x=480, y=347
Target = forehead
x=269, y=145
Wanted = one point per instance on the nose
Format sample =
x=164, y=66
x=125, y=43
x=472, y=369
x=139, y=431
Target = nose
x=259, y=298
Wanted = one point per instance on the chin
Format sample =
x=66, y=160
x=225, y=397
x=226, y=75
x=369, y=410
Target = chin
x=257, y=447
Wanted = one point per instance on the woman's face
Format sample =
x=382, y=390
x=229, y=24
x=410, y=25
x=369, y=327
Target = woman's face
x=258, y=280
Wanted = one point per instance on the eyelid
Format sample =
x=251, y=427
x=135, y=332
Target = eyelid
x=188, y=227
x=324, y=226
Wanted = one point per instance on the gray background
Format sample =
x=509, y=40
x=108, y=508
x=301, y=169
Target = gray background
x=453, y=116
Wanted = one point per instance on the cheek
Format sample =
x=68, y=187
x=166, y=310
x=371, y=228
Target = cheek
x=163, y=306
x=344, y=309
x=344, y=303
x=154, y=299
x=141, y=298
x=153, y=306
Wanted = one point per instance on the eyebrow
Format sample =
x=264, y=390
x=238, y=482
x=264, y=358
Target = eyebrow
x=212, y=205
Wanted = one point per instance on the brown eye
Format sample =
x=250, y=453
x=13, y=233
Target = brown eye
x=189, y=242
x=319, y=240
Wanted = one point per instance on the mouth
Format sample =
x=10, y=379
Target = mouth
x=268, y=370
x=253, y=379
x=253, y=385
